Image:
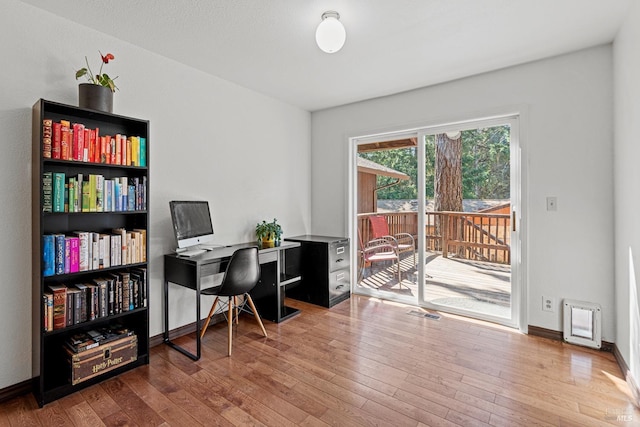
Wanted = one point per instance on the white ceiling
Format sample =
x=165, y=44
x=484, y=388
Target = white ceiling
x=392, y=45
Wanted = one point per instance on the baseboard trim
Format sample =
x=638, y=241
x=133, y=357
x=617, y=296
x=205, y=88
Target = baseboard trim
x=183, y=330
x=545, y=333
x=16, y=390
x=26, y=387
x=624, y=368
x=559, y=336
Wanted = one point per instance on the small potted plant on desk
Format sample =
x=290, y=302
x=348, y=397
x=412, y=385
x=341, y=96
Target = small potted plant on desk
x=268, y=234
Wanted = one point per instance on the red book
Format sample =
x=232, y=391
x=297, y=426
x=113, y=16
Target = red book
x=55, y=144
x=65, y=140
x=95, y=140
x=103, y=150
x=87, y=145
x=78, y=142
x=59, y=306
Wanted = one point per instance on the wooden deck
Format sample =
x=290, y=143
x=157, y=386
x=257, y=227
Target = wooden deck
x=451, y=282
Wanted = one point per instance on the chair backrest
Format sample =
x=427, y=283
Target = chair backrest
x=243, y=272
x=379, y=226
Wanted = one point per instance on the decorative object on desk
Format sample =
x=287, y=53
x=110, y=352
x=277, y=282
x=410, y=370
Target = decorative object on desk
x=98, y=93
x=269, y=233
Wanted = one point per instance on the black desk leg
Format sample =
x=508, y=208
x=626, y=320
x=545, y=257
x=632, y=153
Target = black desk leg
x=166, y=325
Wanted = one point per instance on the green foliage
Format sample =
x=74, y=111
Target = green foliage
x=269, y=230
x=485, y=166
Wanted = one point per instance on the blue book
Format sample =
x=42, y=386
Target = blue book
x=59, y=253
x=143, y=151
x=116, y=193
x=48, y=255
x=131, y=195
x=108, y=193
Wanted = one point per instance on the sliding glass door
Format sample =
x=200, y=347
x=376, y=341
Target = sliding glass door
x=435, y=216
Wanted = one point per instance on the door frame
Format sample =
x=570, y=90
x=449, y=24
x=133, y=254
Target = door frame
x=517, y=118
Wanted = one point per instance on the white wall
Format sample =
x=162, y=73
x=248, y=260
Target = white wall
x=209, y=139
x=627, y=188
x=567, y=150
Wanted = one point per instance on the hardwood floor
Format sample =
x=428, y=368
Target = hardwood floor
x=364, y=362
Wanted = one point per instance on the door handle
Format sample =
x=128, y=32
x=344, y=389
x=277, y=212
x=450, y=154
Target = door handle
x=513, y=220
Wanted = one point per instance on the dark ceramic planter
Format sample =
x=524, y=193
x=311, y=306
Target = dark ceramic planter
x=95, y=97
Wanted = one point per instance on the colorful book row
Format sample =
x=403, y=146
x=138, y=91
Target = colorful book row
x=87, y=251
x=92, y=193
x=74, y=141
x=66, y=305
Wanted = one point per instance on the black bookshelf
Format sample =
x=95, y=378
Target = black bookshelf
x=51, y=367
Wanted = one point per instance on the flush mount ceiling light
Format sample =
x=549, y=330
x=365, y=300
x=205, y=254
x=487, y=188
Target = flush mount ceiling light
x=330, y=34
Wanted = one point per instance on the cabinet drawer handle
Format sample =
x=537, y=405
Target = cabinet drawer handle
x=340, y=260
x=339, y=286
x=340, y=250
x=340, y=276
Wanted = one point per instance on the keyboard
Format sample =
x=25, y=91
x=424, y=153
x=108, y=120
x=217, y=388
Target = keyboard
x=192, y=252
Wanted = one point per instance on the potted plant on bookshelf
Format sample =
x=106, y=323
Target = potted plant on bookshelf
x=98, y=93
x=268, y=233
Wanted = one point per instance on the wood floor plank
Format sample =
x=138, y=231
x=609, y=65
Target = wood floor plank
x=53, y=415
x=82, y=414
x=362, y=362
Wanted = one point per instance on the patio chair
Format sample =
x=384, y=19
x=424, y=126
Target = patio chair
x=404, y=242
x=378, y=250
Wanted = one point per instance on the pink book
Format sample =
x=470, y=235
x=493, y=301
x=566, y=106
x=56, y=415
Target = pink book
x=74, y=255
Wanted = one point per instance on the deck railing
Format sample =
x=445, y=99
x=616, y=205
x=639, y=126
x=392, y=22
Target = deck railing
x=468, y=235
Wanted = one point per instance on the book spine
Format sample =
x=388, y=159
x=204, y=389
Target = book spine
x=65, y=142
x=57, y=141
x=59, y=253
x=131, y=198
x=92, y=193
x=95, y=251
x=127, y=143
x=67, y=255
x=87, y=145
x=69, y=306
x=48, y=255
x=47, y=132
x=83, y=250
x=47, y=192
x=59, y=306
x=74, y=255
x=99, y=193
x=58, y=191
x=143, y=151
x=77, y=148
x=71, y=191
x=48, y=311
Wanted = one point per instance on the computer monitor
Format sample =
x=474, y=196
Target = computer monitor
x=191, y=222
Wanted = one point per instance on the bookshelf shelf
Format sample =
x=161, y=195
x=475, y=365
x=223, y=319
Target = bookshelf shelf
x=115, y=304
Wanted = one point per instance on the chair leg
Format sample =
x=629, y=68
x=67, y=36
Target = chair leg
x=235, y=304
x=255, y=313
x=206, y=322
x=230, y=323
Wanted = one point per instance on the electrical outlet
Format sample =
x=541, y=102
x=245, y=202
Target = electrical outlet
x=548, y=304
x=552, y=203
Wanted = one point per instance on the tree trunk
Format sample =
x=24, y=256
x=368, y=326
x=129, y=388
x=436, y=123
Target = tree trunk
x=448, y=174
x=448, y=187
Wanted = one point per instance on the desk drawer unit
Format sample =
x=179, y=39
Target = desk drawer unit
x=325, y=268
